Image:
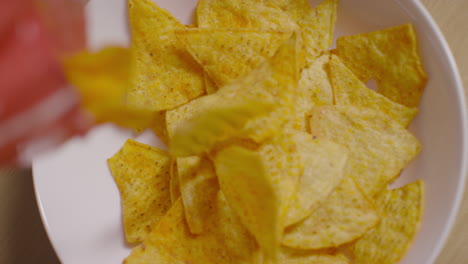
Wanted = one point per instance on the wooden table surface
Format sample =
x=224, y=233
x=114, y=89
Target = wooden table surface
x=22, y=235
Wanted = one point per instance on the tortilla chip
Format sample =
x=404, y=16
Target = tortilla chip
x=317, y=29
x=199, y=187
x=225, y=241
x=227, y=54
x=252, y=193
x=237, y=109
x=324, y=168
x=210, y=86
x=218, y=122
x=389, y=56
x=379, y=146
x=174, y=184
x=101, y=80
x=141, y=173
x=349, y=90
x=243, y=14
x=401, y=211
x=346, y=215
x=314, y=89
x=294, y=256
x=163, y=74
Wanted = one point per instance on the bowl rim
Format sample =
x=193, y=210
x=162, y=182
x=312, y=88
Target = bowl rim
x=422, y=14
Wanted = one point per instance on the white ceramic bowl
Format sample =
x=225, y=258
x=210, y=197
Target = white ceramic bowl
x=80, y=203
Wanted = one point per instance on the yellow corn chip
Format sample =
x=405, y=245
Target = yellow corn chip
x=232, y=111
x=324, y=168
x=282, y=85
x=142, y=176
x=199, y=187
x=251, y=193
x=101, y=80
x=243, y=14
x=317, y=29
x=218, y=122
x=163, y=74
x=379, y=146
x=295, y=256
x=314, y=89
x=401, y=211
x=210, y=86
x=159, y=128
x=174, y=184
x=349, y=90
x=227, y=54
x=346, y=215
x=225, y=241
x=389, y=56
x=295, y=8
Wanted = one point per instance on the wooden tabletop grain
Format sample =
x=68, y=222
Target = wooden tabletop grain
x=24, y=240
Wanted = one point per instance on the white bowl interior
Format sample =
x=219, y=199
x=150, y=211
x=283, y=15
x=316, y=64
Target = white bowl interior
x=440, y=126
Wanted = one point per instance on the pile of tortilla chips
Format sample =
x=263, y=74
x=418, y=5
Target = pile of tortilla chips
x=278, y=152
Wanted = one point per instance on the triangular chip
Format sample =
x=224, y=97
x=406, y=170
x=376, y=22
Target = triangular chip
x=401, y=211
x=346, y=215
x=227, y=54
x=226, y=240
x=295, y=256
x=314, y=89
x=324, y=168
x=101, y=80
x=174, y=184
x=349, y=90
x=379, y=146
x=252, y=194
x=199, y=187
x=317, y=29
x=163, y=73
x=243, y=14
x=391, y=58
x=142, y=174
x=240, y=108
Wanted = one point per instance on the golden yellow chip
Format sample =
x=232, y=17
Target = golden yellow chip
x=391, y=58
x=295, y=256
x=314, y=89
x=252, y=193
x=199, y=187
x=163, y=74
x=237, y=109
x=101, y=80
x=210, y=86
x=225, y=241
x=220, y=120
x=174, y=184
x=317, y=29
x=142, y=174
x=346, y=215
x=349, y=90
x=243, y=14
x=379, y=146
x=401, y=211
x=324, y=168
x=227, y=54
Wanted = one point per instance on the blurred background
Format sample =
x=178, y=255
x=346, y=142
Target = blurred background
x=34, y=36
